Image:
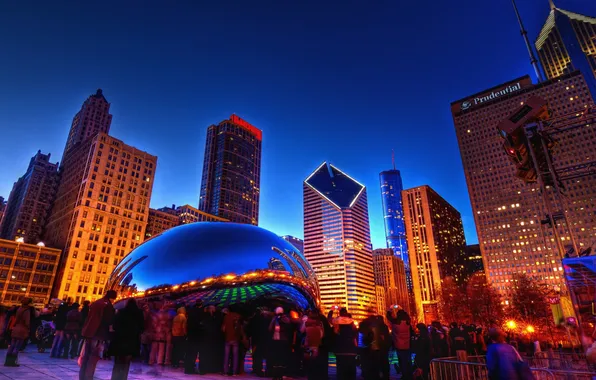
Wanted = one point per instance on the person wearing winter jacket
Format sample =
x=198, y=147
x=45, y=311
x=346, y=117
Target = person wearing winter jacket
x=375, y=353
x=126, y=342
x=178, y=336
x=346, y=341
x=59, y=323
x=313, y=329
x=96, y=331
x=72, y=332
x=401, y=332
x=162, y=325
x=19, y=332
x=279, y=357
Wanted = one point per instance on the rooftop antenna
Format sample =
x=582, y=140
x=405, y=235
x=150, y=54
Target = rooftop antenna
x=552, y=4
x=393, y=158
x=524, y=33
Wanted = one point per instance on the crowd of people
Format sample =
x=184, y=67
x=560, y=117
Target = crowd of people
x=283, y=342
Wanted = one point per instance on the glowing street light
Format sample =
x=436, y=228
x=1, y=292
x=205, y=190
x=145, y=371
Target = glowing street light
x=530, y=329
x=511, y=324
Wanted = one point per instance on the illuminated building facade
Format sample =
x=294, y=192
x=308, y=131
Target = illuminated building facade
x=390, y=274
x=232, y=171
x=296, y=242
x=26, y=270
x=567, y=42
x=189, y=214
x=508, y=212
x=93, y=118
x=160, y=220
x=381, y=300
x=437, y=244
x=472, y=261
x=30, y=201
x=337, y=240
x=393, y=215
x=168, y=217
x=100, y=213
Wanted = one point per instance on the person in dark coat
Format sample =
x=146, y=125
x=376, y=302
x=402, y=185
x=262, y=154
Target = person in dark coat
x=259, y=339
x=345, y=343
x=126, y=343
x=59, y=323
x=193, y=337
x=375, y=355
x=72, y=331
x=280, y=329
x=212, y=342
x=96, y=332
x=423, y=350
x=84, y=314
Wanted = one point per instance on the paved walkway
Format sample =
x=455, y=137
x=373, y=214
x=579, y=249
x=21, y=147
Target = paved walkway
x=36, y=366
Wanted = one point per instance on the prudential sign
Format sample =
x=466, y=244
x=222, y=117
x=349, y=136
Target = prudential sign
x=487, y=97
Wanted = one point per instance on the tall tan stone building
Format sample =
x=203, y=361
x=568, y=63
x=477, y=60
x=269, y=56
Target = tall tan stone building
x=100, y=213
x=390, y=274
x=436, y=245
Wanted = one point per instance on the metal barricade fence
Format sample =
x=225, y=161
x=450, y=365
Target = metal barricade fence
x=447, y=369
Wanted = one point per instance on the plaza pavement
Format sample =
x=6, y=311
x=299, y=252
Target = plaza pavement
x=39, y=366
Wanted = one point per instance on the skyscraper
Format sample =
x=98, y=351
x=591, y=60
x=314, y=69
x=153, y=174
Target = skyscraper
x=93, y=118
x=390, y=274
x=508, y=212
x=100, y=213
x=2, y=208
x=393, y=215
x=567, y=42
x=437, y=244
x=30, y=201
x=337, y=240
x=232, y=171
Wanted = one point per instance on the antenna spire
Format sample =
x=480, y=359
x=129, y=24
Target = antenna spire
x=393, y=158
x=552, y=4
x=524, y=34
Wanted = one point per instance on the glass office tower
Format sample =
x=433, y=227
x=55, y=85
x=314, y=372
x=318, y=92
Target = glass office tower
x=393, y=215
x=337, y=240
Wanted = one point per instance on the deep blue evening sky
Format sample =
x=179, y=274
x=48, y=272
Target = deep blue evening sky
x=341, y=81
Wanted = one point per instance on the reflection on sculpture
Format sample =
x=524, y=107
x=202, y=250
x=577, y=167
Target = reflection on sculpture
x=217, y=263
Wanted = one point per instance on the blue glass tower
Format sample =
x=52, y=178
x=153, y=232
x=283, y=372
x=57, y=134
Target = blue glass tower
x=393, y=214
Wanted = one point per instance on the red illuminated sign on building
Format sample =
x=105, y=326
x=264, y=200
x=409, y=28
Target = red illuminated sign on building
x=246, y=125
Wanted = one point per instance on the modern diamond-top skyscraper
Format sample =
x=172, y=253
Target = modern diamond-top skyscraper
x=567, y=42
x=93, y=118
x=337, y=240
x=393, y=215
x=232, y=171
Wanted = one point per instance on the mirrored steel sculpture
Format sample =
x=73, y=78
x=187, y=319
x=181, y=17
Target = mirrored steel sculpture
x=220, y=264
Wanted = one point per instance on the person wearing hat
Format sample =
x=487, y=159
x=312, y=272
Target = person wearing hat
x=96, y=332
x=280, y=344
x=19, y=332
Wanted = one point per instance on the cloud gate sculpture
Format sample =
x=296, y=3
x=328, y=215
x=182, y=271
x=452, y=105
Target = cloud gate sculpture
x=219, y=264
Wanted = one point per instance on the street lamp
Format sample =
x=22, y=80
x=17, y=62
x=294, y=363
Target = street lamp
x=511, y=324
x=530, y=329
